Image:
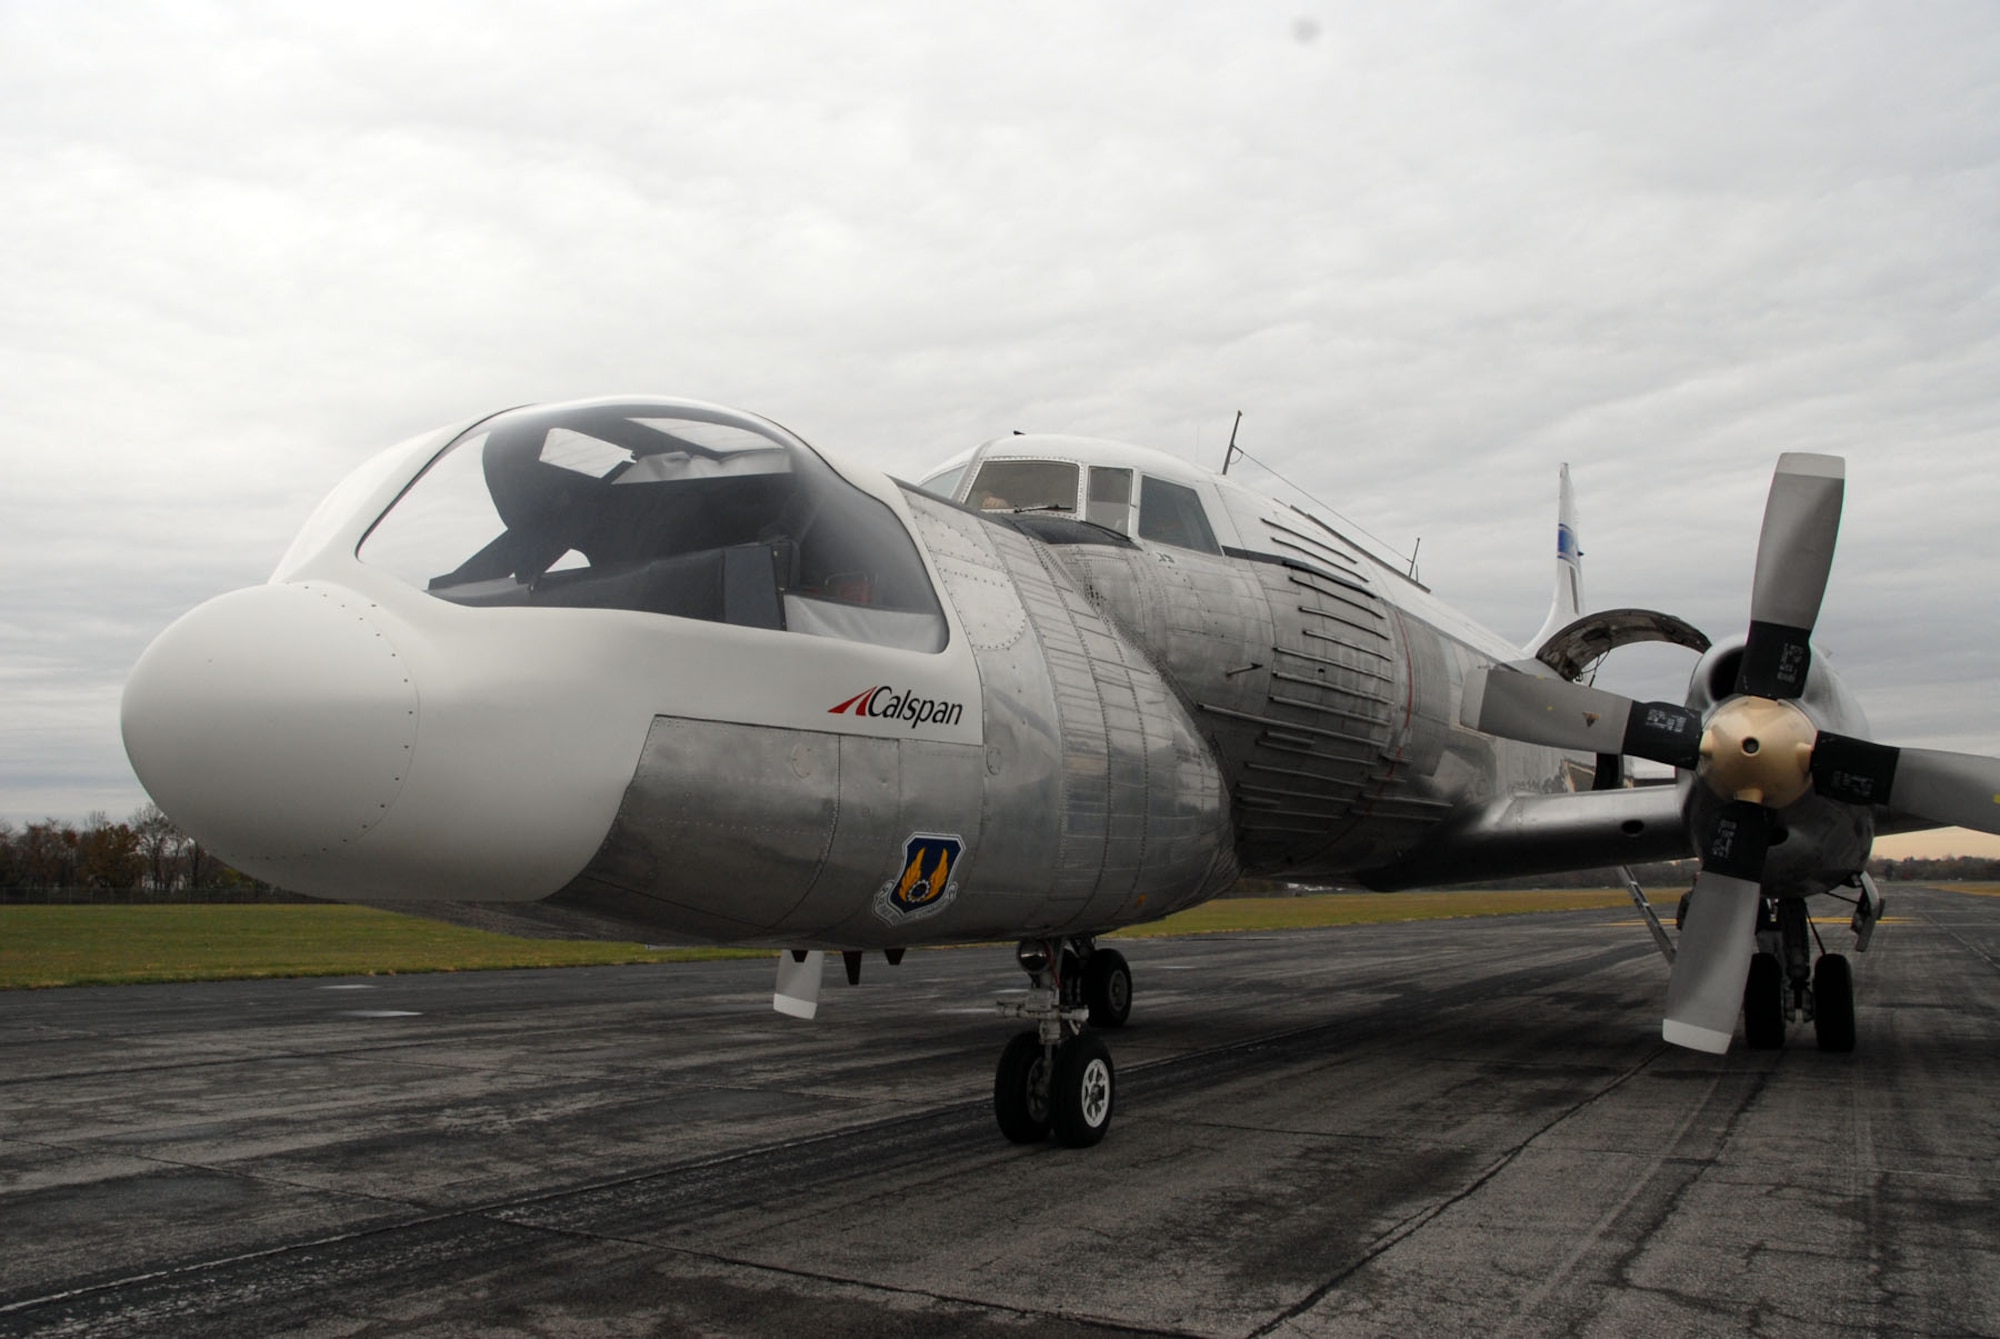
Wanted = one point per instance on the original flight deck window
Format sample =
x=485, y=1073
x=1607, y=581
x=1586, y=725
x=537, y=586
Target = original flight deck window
x=660, y=507
x=1110, y=502
x=1025, y=485
x=1171, y=513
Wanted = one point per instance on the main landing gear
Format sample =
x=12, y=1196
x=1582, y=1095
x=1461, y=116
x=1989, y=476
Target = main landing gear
x=1056, y=1077
x=1786, y=984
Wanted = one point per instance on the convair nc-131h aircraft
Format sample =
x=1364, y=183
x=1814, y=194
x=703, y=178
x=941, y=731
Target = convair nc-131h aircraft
x=657, y=669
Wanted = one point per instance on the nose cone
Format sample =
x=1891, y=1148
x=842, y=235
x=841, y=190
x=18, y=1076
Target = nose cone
x=274, y=724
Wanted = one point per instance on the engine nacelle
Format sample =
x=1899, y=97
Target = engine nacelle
x=1816, y=843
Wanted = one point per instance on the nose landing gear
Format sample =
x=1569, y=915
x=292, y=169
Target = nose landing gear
x=1056, y=1077
x=1785, y=983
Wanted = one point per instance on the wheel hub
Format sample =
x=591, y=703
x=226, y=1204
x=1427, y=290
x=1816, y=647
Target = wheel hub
x=1096, y=1092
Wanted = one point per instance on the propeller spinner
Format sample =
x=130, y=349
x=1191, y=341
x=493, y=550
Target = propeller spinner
x=1758, y=749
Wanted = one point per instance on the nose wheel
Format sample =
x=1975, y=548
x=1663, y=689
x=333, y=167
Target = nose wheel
x=1056, y=1078
x=1787, y=983
x=1833, y=1003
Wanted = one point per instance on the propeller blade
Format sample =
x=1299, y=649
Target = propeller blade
x=1711, y=964
x=1959, y=789
x=1563, y=715
x=1962, y=789
x=1858, y=771
x=798, y=983
x=1794, y=556
x=1712, y=960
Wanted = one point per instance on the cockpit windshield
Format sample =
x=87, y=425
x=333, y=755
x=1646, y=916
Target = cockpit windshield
x=1025, y=485
x=661, y=507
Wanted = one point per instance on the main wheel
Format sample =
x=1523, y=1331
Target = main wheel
x=1107, y=988
x=1833, y=1003
x=1764, y=1004
x=1021, y=1090
x=1081, y=1090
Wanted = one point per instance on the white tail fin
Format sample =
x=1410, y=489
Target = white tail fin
x=1567, y=605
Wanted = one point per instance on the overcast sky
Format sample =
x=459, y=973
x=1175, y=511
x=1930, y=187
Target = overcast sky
x=1431, y=251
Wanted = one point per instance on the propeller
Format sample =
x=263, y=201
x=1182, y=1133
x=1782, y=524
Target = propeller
x=1757, y=749
x=1794, y=556
x=1718, y=937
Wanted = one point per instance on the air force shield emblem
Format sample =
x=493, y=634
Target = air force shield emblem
x=925, y=885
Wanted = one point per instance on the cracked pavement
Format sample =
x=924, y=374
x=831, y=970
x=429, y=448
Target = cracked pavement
x=1463, y=1125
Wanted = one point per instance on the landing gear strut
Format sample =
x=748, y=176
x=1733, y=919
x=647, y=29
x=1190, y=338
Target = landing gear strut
x=1786, y=984
x=1056, y=1077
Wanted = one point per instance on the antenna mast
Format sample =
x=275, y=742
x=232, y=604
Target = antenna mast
x=1232, y=452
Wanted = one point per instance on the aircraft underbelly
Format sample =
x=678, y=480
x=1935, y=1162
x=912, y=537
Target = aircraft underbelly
x=732, y=832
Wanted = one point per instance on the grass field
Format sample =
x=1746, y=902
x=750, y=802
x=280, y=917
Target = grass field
x=114, y=945
x=1298, y=913
x=105, y=945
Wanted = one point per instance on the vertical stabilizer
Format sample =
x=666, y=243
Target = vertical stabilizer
x=1567, y=604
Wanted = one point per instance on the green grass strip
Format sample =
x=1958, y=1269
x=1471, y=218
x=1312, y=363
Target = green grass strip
x=119, y=945
x=1321, y=910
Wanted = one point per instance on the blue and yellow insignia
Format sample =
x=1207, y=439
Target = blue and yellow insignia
x=925, y=885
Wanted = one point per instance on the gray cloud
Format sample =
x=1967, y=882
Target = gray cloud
x=1431, y=250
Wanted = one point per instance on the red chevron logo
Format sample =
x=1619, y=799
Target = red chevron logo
x=852, y=703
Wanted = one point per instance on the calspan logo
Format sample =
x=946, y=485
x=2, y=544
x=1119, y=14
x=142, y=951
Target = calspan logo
x=891, y=704
x=925, y=887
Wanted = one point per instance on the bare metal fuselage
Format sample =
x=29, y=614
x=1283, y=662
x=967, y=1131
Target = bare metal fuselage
x=1156, y=721
x=656, y=669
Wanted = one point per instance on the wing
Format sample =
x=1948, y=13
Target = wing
x=1543, y=834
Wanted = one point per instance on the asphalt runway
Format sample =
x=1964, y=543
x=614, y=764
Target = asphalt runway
x=1463, y=1127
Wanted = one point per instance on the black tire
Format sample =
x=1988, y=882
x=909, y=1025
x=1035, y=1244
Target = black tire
x=1082, y=1090
x=1764, y=1004
x=1681, y=911
x=1107, y=988
x=1833, y=1003
x=1021, y=1090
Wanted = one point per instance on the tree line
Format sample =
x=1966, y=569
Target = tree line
x=1940, y=869
x=147, y=857
x=143, y=856
x=1680, y=874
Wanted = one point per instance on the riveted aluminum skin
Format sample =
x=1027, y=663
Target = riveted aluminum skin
x=1112, y=806
x=1327, y=700
x=1132, y=820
